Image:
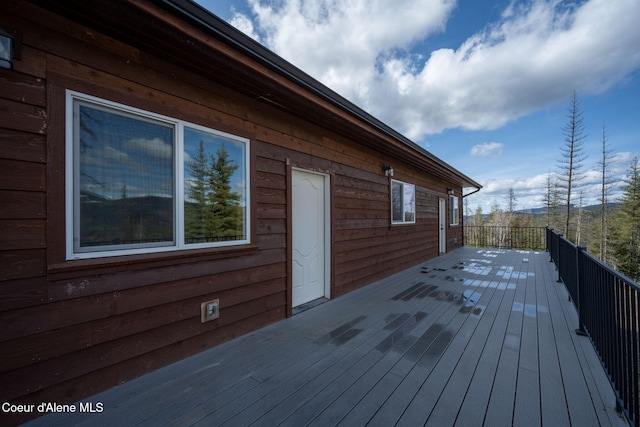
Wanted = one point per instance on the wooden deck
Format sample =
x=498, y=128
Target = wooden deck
x=474, y=337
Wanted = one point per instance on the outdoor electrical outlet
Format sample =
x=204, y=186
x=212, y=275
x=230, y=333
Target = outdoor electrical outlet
x=209, y=310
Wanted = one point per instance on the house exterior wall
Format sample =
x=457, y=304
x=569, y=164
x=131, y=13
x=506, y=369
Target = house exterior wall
x=69, y=329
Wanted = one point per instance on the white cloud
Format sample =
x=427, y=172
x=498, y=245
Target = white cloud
x=488, y=149
x=530, y=190
x=359, y=48
x=155, y=148
x=105, y=156
x=523, y=186
x=536, y=54
x=622, y=161
x=244, y=24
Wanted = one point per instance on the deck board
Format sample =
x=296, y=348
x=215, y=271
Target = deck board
x=502, y=399
x=552, y=400
x=412, y=349
x=476, y=400
x=527, y=405
x=453, y=395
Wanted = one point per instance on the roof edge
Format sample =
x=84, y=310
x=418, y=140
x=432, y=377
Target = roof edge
x=225, y=32
x=200, y=17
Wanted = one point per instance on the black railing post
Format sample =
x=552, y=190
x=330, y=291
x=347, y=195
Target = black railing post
x=546, y=240
x=558, y=262
x=580, y=280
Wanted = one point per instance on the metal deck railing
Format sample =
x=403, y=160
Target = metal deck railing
x=505, y=237
x=608, y=306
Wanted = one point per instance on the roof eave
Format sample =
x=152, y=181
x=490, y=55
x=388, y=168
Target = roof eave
x=197, y=15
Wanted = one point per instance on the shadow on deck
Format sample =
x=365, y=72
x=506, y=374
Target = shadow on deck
x=474, y=337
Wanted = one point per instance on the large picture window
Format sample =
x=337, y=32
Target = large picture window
x=403, y=203
x=139, y=182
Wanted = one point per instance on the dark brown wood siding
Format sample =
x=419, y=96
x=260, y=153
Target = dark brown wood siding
x=69, y=329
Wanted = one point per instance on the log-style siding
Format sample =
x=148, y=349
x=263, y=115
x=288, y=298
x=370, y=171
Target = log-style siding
x=69, y=329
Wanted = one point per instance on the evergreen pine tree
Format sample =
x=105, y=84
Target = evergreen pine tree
x=196, y=205
x=627, y=220
x=224, y=219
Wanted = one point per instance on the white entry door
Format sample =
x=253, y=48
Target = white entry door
x=442, y=226
x=310, y=227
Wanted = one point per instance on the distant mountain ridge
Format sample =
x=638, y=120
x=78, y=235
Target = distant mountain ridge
x=543, y=210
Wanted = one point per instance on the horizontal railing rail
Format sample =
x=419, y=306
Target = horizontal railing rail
x=505, y=237
x=608, y=306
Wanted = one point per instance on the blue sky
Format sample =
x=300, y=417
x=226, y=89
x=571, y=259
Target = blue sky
x=482, y=84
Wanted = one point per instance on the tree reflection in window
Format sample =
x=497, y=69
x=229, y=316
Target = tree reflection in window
x=215, y=206
x=403, y=202
x=125, y=182
x=141, y=182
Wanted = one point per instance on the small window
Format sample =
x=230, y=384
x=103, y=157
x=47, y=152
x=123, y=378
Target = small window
x=454, y=210
x=139, y=182
x=403, y=203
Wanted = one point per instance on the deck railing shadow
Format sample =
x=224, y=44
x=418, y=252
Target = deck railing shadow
x=608, y=311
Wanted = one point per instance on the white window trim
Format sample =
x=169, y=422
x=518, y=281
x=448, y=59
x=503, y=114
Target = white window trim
x=395, y=222
x=454, y=220
x=179, y=126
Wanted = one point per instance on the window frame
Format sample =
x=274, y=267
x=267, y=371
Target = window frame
x=454, y=210
x=178, y=168
x=402, y=204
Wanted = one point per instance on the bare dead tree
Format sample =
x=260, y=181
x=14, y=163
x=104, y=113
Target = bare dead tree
x=579, y=218
x=467, y=210
x=512, y=202
x=551, y=200
x=570, y=166
x=608, y=185
x=547, y=200
x=500, y=220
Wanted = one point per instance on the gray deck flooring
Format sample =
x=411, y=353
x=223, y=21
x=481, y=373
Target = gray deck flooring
x=475, y=337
